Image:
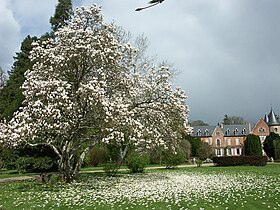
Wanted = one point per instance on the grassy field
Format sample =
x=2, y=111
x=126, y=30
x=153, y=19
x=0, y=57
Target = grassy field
x=185, y=188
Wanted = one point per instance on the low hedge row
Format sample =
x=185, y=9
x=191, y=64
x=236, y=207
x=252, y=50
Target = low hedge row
x=240, y=160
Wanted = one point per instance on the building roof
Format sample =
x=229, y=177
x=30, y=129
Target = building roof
x=236, y=130
x=271, y=119
x=206, y=131
x=228, y=130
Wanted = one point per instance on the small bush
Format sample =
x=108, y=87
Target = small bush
x=136, y=163
x=240, y=160
x=198, y=162
x=111, y=169
x=172, y=160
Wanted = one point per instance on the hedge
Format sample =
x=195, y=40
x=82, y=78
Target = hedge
x=240, y=160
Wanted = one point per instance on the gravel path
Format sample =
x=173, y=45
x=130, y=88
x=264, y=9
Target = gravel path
x=18, y=178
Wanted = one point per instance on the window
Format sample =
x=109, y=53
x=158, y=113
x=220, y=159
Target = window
x=218, y=142
x=229, y=142
x=244, y=131
x=238, y=151
x=229, y=151
x=261, y=130
x=218, y=133
x=206, y=132
x=237, y=142
x=275, y=129
x=218, y=152
x=198, y=133
x=235, y=131
x=227, y=131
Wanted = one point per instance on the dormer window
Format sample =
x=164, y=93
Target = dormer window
x=235, y=132
x=244, y=131
x=227, y=131
x=206, y=132
x=198, y=133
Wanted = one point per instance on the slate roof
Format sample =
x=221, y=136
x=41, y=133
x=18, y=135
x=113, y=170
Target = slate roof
x=203, y=130
x=228, y=130
x=236, y=130
x=271, y=119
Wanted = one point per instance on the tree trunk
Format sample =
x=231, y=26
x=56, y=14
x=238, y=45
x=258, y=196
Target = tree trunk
x=65, y=168
x=70, y=168
x=123, y=153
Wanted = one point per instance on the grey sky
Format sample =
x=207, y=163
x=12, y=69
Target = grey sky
x=227, y=51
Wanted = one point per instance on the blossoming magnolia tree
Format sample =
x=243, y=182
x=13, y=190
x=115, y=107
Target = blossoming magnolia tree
x=86, y=87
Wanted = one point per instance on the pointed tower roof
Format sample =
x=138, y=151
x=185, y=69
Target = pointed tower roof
x=272, y=120
x=266, y=118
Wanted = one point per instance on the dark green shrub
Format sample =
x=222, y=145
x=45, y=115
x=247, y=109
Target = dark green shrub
x=32, y=164
x=252, y=145
x=240, y=160
x=136, y=163
x=40, y=151
x=42, y=164
x=172, y=160
x=268, y=144
x=9, y=157
x=25, y=164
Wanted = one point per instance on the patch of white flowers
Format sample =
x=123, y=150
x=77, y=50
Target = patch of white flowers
x=178, y=190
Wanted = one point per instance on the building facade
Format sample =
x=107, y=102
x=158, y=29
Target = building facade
x=226, y=140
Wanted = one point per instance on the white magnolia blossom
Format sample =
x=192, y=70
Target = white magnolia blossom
x=85, y=87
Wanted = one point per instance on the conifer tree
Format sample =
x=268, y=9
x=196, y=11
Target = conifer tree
x=268, y=144
x=252, y=145
x=62, y=14
x=11, y=95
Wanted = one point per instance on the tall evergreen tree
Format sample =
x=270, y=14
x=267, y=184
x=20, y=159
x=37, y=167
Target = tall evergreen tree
x=268, y=144
x=252, y=145
x=11, y=95
x=62, y=14
x=195, y=145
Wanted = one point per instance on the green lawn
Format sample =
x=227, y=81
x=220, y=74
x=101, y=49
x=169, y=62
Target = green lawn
x=185, y=188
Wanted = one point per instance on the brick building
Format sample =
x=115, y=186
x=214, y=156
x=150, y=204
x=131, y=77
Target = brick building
x=225, y=139
x=228, y=140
